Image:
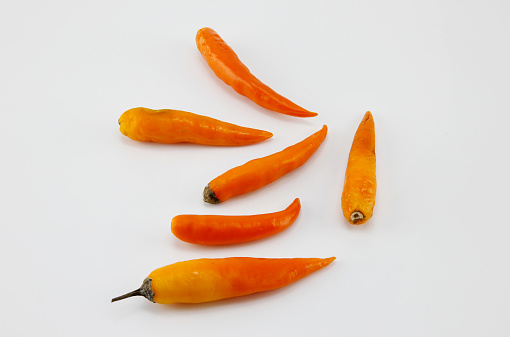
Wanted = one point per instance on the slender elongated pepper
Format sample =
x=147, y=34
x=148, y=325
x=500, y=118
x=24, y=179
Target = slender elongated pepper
x=262, y=171
x=230, y=229
x=205, y=280
x=227, y=66
x=358, y=196
x=176, y=126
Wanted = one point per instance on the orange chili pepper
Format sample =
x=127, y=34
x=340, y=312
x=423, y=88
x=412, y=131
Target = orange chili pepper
x=262, y=171
x=205, y=280
x=174, y=126
x=224, y=229
x=227, y=66
x=358, y=197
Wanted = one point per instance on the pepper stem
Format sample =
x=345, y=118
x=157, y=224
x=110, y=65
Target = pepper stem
x=145, y=290
x=137, y=292
x=357, y=216
x=209, y=196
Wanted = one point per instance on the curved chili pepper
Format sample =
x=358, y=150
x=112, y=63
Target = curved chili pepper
x=224, y=229
x=174, y=126
x=227, y=66
x=262, y=171
x=358, y=197
x=205, y=280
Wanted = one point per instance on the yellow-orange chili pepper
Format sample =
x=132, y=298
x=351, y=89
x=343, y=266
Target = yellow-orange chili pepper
x=358, y=197
x=175, y=126
x=205, y=280
x=262, y=171
x=224, y=229
x=227, y=66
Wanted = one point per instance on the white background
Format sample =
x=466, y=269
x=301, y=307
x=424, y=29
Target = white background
x=86, y=211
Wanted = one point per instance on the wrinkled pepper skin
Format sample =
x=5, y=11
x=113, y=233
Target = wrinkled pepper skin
x=225, y=230
x=205, y=280
x=358, y=196
x=262, y=171
x=227, y=66
x=175, y=126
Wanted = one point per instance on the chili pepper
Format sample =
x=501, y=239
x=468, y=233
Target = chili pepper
x=224, y=229
x=262, y=171
x=205, y=280
x=175, y=126
x=227, y=66
x=358, y=197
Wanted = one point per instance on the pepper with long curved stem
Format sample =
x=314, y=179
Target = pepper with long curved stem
x=205, y=280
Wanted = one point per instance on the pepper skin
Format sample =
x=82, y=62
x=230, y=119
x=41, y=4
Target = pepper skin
x=227, y=66
x=262, y=171
x=205, y=280
x=224, y=230
x=174, y=126
x=358, y=197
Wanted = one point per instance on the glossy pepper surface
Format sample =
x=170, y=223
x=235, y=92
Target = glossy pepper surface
x=228, y=229
x=358, y=196
x=227, y=66
x=262, y=171
x=205, y=280
x=175, y=126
